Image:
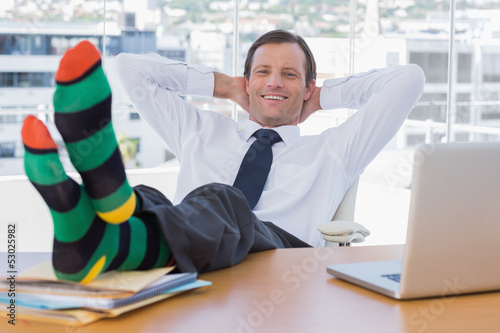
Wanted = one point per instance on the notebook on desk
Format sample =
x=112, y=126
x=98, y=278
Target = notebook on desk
x=452, y=243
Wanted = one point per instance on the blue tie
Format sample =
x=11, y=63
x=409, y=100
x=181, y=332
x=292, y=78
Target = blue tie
x=255, y=166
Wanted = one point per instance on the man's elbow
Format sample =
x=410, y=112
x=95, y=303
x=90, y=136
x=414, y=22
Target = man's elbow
x=417, y=77
x=120, y=62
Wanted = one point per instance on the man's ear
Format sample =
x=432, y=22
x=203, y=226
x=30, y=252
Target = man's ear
x=309, y=89
x=246, y=83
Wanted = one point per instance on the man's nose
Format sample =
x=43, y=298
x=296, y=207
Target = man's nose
x=274, y=80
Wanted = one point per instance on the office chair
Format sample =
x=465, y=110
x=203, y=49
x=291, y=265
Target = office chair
x=342, y=230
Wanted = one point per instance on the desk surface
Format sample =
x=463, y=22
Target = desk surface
x=288, y=290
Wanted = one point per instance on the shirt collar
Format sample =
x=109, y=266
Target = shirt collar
x=288, y=132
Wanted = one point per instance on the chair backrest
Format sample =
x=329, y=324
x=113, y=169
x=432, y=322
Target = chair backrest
x=346, y=208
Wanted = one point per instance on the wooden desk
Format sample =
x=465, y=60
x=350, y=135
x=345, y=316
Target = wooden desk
x=288, y=290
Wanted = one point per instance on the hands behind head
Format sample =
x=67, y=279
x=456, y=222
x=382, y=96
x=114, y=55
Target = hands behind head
x=311, y=105
x=239, y=94
x=234, y=88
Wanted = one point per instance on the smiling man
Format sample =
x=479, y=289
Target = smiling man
x=309, y=175
x=277, y=85
x=261, y=188
x=279, y=77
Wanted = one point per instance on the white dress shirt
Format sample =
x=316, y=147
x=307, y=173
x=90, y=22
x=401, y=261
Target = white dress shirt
x=310, y=174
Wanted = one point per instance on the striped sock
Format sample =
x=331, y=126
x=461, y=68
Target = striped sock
x=84, y=244
x=82, y=102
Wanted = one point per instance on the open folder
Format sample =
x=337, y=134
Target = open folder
x=41, y=297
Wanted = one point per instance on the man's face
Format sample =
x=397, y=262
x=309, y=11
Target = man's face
x=277, y=86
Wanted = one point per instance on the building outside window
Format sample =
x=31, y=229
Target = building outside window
x=7, y=149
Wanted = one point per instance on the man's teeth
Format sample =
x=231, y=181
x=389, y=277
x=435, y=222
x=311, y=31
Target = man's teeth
x=279, y=98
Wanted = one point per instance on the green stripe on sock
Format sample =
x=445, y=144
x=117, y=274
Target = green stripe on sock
x=165, y=254
x=108, y=246
x=73, y=225
x=113, y=201
x=100, y=146
x=44, y=169
x=138, y=241
x=82, y=95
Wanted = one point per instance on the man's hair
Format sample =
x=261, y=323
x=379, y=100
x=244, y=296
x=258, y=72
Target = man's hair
x=279, y=37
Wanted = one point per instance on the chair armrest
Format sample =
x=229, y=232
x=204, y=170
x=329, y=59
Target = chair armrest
x=342, y=233
x=342, y=230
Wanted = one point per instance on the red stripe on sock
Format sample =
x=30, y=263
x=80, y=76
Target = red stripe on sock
x=36, y=135
x=76, y=61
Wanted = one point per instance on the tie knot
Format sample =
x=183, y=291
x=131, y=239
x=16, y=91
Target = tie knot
x=267, y=135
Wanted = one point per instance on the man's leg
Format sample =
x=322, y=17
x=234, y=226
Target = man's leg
x=212, y=228
x=84, y=244
x=82, y=104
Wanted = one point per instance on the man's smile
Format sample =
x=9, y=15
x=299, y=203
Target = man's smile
x=274, y=97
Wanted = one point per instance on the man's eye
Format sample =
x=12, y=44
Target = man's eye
x=290, y=75
x=262, y=71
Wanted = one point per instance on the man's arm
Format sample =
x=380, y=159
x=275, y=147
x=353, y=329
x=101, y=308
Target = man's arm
x=137, y=72
x=311, y=105
x=154, y=83
x=383, y=98
x=233, y=88
x=401, y=84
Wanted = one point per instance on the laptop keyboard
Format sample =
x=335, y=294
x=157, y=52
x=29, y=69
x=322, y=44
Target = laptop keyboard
x=393, y=277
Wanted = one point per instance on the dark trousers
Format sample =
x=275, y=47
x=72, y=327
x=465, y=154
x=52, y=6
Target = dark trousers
x=212, y=228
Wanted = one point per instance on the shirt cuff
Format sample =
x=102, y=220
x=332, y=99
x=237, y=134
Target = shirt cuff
x=200, y=81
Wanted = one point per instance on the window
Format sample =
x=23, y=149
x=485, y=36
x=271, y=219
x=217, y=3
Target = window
x=434, y=65
x=464, y=65
x=8, y=119
x=6, y=80
x=137, y=143
x=202, y=32
x=431, y=106
x=26, y=79
x=134, y=116
x=491, y=67
x=347, y=36
x=32, y=79
x=174, y=54
x=60, y=43
x=7, y=149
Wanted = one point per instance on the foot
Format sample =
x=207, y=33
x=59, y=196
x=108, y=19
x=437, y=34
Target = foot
x=82, y=104
x=84, y=244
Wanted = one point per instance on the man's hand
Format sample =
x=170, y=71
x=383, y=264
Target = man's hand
x=311, y=105
x=233, y=88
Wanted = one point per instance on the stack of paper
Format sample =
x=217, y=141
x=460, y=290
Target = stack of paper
x=40, y=296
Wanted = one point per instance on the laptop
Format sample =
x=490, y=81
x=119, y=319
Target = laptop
x=453, y=235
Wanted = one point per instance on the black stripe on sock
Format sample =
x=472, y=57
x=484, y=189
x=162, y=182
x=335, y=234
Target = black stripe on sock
x=88, y=121
x=36, y=151
x=123, y=248
x=152, y=246
x=106, y=178
x=72, y=257
x=89, y=71
x=61, y=197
